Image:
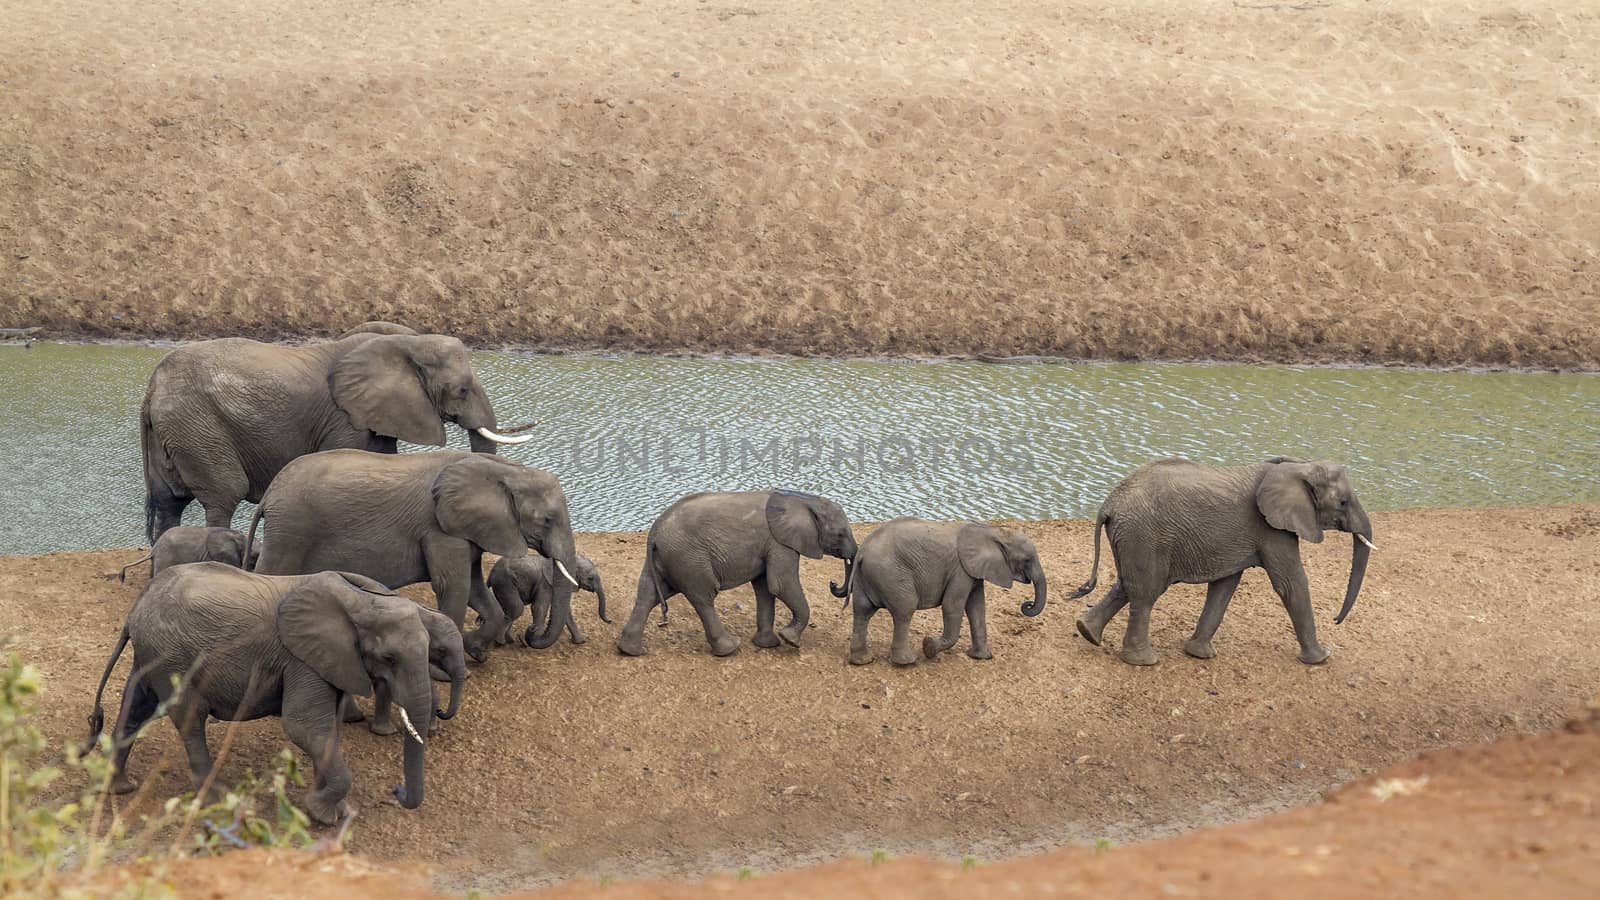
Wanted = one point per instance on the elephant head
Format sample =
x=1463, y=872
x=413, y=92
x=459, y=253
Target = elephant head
x=588, y=580
x=407, y=386
x=1307, y=498
x=447, y=656
x=1001, y=556
x=352, y=631
x=224, y=545
x=507, y=508
x=812, y=526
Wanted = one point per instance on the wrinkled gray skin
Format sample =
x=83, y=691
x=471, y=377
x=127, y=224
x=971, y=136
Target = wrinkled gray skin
x=415, y=517
x=910, y=564
x=706, y=543
x=1175, y=521
x=532, y=580
x=194, y=543
x=264, y=646
x=221, y=418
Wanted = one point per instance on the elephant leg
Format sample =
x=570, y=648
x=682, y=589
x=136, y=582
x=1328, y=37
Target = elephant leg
x=219, y=513
x=978, y=623
x=900, y=645
x=382, y=721
x=766, y=611
x=449, y=562
x=787, y=587
x=189, y=718
x=139, y=703
x=574, y=633
x=310, y=720
x=863, y=609
x=1092, y=621
x=350, y=710
x=491, y=618
x=722, y=642
x=631, y=641
x=1289, y=581
x=952, y=605
x=166, y=509
x=1136, y=649
x=1218, y=593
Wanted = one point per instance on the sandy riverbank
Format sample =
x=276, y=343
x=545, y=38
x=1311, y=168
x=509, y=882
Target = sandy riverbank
x=1140, y=179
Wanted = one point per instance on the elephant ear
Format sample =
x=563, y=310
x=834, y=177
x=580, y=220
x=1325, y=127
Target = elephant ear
x=471, y=501
x=226, y=546
x=315, y=625
x=1284, y=498
x=379, y=385
x=363, y=583
x=792, y=522
x=982, y=555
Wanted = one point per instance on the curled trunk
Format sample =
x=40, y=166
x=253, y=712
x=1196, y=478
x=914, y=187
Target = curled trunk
x=1035, y=575
x=458, y=681
x=843, y=590
x=560, y=613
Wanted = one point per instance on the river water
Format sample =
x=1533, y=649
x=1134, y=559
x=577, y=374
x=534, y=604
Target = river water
x=628, y=434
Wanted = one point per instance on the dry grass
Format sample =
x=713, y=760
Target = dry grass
x=1411, y=181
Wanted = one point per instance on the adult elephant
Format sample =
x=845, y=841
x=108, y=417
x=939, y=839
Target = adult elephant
x=221, y=418
x=1177, y=521
x=709, y=542
x=247, y=646
x=413, y=517
x=910, y=564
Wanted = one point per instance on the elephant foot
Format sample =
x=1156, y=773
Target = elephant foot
x=578, y=637
x=324, y=810
x=903, y=657
x=1314, y=655
x=1199, y=649
x=725, y=645
x=766, y=640
x=1139, y=656
x=477, y=646
x=980, y=653
x=791, y=634
x=862, y=657
x=1091, y=629
x=630, y=645
x=124, y=784
x=385, y=726
x=932, y=647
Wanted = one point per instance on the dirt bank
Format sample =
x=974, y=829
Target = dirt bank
x=1513, y=818
x=576, y=762
x=1133, y=179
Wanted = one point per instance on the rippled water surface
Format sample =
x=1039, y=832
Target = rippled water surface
x=629, y=434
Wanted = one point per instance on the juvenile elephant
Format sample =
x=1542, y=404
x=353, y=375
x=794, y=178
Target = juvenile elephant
x=263, y=646
x=221, y=418
x=194, y=543
x=413, y=517
x=532, y=580
x=709, y=542
x=1177, y=521
x=910, y=564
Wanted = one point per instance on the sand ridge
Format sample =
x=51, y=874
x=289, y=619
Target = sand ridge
x=1136, y=179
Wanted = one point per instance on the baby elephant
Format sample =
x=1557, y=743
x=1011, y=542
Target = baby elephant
x=710, y=542
x=191, y=544
x=911, y=564
x=532, y=580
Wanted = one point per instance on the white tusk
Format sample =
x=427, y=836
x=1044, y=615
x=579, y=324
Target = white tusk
x=565, y=574
x=1370, y=545
x=502, y=439
x=406, y=721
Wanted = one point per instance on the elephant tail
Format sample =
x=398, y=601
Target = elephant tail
x=122, y=576
x=1088, y=587
x=97, y=718
x=163, y=487
x=250, y=539
x=655, y=579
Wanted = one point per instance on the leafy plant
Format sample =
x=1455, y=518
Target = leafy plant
x=54, y=847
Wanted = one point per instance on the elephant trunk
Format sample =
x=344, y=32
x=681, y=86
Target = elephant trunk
x=479, y=443
x=458, y=681
x=1035, y=575
x=417, y=717
x=843, y=590
x=600, y=601
x=1361, y=550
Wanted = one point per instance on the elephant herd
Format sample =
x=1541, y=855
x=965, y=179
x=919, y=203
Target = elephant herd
x=300, y=621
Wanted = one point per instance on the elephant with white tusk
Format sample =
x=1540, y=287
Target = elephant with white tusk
x=1175, y=521
x=221, y=418
x=535, y=581
x=248, y=646
x=414, y=517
